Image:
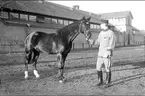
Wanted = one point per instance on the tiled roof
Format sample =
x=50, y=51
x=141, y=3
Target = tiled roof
x=51, y=9
x=116, y=14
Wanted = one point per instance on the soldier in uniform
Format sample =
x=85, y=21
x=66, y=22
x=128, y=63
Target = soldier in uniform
x=106, y=42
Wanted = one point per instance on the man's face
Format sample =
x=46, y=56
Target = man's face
x=103, y=26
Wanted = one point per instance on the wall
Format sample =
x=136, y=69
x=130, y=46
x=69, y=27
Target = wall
x=20, y=32
x=138, y=39
x=1, y=29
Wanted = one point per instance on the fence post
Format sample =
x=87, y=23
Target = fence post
x=144, y=40
x=9, y=49
x=124, y=38
x=73, y=45
x=82, y=45
x=144, y=48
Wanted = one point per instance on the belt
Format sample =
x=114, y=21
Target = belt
x=104, y=57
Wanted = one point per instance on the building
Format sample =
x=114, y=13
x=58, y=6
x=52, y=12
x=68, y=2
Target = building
x=19, y=18
x=123, y=22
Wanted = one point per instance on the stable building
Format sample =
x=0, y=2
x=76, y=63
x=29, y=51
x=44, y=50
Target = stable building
x=19, y=18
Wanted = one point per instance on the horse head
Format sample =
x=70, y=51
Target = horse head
x=85, y=27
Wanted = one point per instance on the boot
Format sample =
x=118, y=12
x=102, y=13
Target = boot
x=108, y=79
x=100, y=78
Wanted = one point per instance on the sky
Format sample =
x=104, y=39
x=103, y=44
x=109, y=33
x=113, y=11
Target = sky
x=136, y=7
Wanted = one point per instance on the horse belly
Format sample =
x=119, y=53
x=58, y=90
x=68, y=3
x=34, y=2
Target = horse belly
x=47, y=48
x=57, y=48
x=42, y=49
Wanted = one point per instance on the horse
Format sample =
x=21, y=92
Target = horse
x=59, y=43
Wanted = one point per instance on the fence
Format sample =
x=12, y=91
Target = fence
x=14, y=45
x=19, y=48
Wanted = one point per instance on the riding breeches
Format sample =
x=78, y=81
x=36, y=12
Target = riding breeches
x=103, y=60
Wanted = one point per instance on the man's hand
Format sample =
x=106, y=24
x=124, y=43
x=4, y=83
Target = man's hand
x=91, y=42
x=111, y=52
x=87, y=39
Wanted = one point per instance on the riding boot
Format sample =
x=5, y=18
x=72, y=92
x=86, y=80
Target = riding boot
x=108, y=79
x=100, y=78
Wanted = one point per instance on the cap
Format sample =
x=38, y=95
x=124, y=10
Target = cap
x=106, y=22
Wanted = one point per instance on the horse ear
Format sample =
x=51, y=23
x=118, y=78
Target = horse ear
x=88, y=19
x=83, y=18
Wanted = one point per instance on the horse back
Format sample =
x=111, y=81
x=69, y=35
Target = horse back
x=44, y=42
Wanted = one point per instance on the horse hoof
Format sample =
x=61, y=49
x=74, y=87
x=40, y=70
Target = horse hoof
x=26, y=78
x=60, y=81
x=38, y=77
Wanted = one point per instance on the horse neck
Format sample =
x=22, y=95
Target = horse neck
x=74, y=35
x=70, y=32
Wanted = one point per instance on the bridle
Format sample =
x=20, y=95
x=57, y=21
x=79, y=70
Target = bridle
x=79, y=31
x=85, y=31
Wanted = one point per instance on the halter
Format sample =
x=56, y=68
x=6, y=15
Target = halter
x=79, y=31
x=84, y=31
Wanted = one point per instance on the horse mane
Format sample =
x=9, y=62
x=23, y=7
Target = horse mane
x=67, y=28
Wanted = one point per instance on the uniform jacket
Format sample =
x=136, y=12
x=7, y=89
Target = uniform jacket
x=106, y=41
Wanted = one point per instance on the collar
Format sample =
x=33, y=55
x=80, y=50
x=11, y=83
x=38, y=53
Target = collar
x=105, y=29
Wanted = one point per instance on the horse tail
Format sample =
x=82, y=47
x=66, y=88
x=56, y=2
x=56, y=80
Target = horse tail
x=29, y=54
x=28, y=42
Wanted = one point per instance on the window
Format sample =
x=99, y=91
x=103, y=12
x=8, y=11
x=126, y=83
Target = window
x=54, y=21
x=60, y=21
x=14, y=15
x=47, y=20
x=32, y=18
x=95, y=26
x=40, y=19
x=65, y=22
x=129, y=21
x=23, y=17
x=91, y=26
x=70, y=22
x=4, y=15
x=98, y=27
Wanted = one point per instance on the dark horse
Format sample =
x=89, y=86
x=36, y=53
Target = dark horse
x=59, y=43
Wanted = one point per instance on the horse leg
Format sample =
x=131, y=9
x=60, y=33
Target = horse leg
x=26, y=69
x=61, y=63
x=27, y=61
x=35, y=58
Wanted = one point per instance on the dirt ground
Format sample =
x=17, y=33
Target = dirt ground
x=128, y=74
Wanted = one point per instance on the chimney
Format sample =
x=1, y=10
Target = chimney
x=76, y=7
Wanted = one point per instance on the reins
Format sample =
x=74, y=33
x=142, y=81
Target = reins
x=77, y=32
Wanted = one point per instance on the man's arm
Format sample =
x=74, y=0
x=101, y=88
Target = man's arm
x=111, y=43
x=93, y=42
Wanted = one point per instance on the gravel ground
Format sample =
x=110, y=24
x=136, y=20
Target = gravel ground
x=128, y=74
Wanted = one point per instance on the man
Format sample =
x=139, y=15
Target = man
x=106, y=42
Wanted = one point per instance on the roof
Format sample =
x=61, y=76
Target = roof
x=116, y=14
x=134, y=28
x=141, y=32
x=51, y=9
